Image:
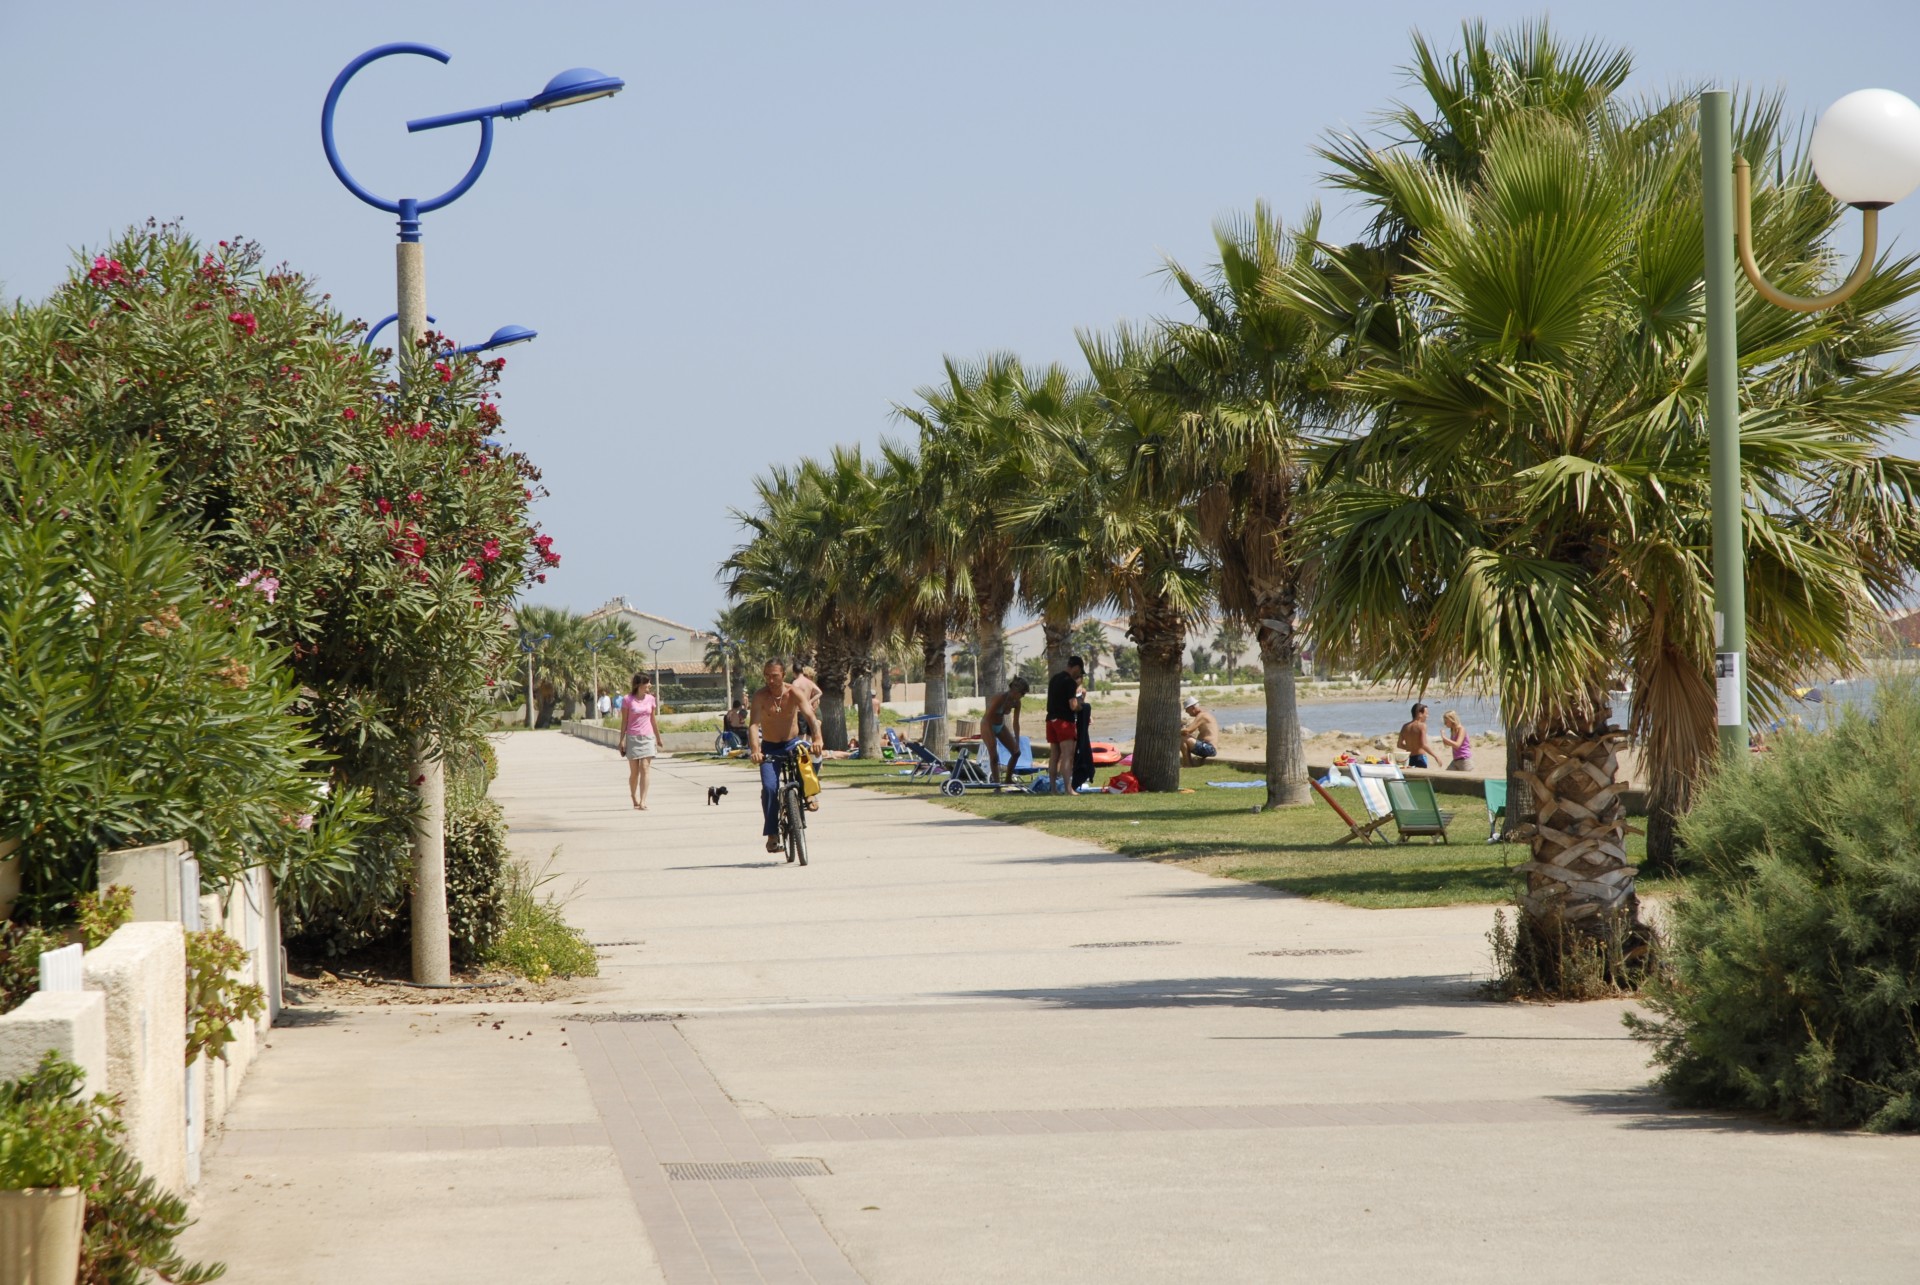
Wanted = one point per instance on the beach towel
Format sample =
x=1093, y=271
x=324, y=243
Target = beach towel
x=1238, y=785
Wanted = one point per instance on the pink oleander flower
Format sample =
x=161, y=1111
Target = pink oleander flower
x=418, y=432
x=247, y=322
x=384, y=505
x=415, y=497
x=106, y=272
x=472, y=570
x=490, y=549
x=349, y=413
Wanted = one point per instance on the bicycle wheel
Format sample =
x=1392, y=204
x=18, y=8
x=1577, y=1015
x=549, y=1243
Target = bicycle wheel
x=796, y=812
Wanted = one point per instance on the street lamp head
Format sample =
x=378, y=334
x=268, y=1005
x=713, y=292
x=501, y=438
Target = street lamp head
x=501, y=338
x=1866, y=148
x=576, y=85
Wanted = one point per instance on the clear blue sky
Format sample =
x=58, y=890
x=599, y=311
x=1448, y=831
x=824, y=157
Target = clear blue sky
x=794, y=210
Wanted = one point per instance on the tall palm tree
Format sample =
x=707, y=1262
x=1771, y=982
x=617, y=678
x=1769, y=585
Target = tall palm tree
x=1530, y=508
x=922, y=529
x=1089, y=642
x=971, y=428
x=1065, y=567
x=1255, y=377
x=1150, y=543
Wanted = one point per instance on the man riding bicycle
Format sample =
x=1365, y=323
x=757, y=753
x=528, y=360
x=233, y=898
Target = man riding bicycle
x=778, y=711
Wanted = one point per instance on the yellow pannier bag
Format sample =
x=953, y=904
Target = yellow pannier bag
x=809, y=779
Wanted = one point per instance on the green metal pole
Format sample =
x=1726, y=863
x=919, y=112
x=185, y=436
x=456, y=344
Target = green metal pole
x=1723, y=422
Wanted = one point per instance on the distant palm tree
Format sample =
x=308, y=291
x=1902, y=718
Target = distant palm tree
x=1230, y=641
x=1089, y=642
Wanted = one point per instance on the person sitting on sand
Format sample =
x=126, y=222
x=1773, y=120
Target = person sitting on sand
x=1003, y=708
x=1199, y=735
x=1454, y=736
x=1415, y=740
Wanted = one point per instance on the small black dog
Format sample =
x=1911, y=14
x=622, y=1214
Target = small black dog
x=715, y=793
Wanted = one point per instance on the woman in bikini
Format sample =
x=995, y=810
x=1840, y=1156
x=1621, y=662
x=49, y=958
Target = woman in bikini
x=1001, y=710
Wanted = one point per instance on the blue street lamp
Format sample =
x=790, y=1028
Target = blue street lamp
x=504, y=337
x=579, y=85
x=431, y=963
x=656, y=642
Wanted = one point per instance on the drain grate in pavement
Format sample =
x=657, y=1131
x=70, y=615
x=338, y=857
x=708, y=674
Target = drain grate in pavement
x=1112, y=945
x=628, y=1017
x=1313, y=950
x=722, y=1170
x=602, y=945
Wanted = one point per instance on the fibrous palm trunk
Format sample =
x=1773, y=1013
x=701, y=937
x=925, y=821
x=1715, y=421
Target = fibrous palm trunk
x=832, y=670
x=933, y=654
x=1579, y=886
x=861, y=671
x=990, y=620
x=1057, y=627
x=1161, y=634
x=1286, y=751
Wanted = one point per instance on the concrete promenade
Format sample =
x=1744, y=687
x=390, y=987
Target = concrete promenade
x=955, y=1051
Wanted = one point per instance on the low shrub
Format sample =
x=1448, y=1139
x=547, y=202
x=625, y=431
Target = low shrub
x=536, y=941
x=217, y=1000
x=479, y=880
x=1795, y=954
x=20, y=949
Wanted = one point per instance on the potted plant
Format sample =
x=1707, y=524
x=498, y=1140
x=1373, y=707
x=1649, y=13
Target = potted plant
x=53, y=1146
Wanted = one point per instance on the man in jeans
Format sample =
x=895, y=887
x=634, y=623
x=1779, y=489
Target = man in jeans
x=1063, y=705
x=778, y=711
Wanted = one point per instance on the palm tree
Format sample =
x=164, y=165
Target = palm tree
x=922, y=531
x=726, y=652
x=1229, y=640
x=1089, y=642
x=1150, y=543
x=971, y=430
x=1530, y=511
x=1255, y=377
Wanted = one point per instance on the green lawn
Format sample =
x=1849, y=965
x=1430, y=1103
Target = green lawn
x=1219, y=832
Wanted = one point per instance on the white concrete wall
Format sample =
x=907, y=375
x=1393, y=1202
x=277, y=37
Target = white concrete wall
x=71, y=1023
x=141, y=972
x=246, y=913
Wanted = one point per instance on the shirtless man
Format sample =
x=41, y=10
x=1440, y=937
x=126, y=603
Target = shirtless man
x=778, y=712
x=1002, y=709
x=803, y=683
x=1199, y=735
x=1415, y=740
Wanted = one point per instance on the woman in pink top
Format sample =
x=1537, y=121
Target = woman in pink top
x=639, y=737
x=1456, y=739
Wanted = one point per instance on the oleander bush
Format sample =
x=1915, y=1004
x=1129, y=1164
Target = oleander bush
x=1794, y=961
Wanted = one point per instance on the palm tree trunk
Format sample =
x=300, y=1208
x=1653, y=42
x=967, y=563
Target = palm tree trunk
x=832, y=668
x=1161, y=635
x=1579, y=888
x=989, y=631
x=1057, y=627
x=861, y=669
x=933, y=655
x=1286, y=751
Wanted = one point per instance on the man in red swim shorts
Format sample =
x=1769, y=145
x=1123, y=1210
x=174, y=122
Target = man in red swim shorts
x=1062, y=705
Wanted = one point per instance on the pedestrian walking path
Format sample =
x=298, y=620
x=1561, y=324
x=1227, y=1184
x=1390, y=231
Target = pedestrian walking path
x=955, y=1051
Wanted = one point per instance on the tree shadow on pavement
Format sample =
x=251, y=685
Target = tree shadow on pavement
x=1306, y=994
x=1651, y=1109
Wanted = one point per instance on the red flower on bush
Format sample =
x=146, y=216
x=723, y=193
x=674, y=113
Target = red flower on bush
x=415, y=497
x=106, y=272
x=473, y=571
x=384, y=505
x=445, y=371
x=349, y=413
x=490, y=549
x=246, y=322
x=418, y=432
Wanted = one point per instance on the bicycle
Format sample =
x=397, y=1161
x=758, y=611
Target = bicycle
x=791, y=803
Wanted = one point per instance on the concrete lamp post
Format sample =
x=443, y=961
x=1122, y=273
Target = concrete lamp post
x=530, y=643
x=655, y=643
x=593, y=649
x=431, y=940
x=1866, y=153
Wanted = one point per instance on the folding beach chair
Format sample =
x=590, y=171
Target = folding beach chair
x=1496, y=807
x=1416, y=811
x=1362, y=831
x=926, y=764
x=1373, y=792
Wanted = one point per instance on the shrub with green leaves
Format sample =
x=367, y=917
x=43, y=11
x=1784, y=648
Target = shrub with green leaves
x=376, y=530
x=1794, y=982
x=137, y=705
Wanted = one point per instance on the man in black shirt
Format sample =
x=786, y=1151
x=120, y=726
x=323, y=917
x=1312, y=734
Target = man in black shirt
x=1062, y=707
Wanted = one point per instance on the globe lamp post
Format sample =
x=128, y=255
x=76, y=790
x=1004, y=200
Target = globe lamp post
x=1866, y=153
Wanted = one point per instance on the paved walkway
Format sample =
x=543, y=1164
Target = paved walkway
x=954, y=1051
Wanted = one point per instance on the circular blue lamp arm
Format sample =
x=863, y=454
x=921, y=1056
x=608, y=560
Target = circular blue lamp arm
x=407, y=208
x=386, y=321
